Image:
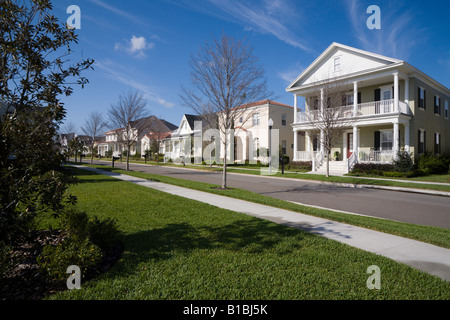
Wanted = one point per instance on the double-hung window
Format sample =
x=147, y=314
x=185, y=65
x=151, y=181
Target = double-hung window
x=422, y=98
x=437, y=105
x=255, y=119
x=386, y=140
x=437, y=143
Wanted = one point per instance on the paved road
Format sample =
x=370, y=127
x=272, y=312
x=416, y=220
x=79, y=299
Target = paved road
x=393, y=205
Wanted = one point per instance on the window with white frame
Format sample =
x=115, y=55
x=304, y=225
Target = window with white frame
x=437, y=105
x=255, y=119
x=283, y=119
x=422, y=141
x=422, y=104
x=386, y=140
x=446, y=109
x=437, y=143
x=284, y=146
x=337, y=64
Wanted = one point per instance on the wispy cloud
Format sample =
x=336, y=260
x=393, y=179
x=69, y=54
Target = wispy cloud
x=398, y=35
x=136, y=46
x=266, y=17
x=111, y=70
x=122, y=13
x=291, y=73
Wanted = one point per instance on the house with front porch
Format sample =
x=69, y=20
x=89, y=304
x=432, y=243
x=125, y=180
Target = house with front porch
x=392, y=106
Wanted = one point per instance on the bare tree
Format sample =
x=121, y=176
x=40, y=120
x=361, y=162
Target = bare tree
x=225, y=76
x=127, y=116
x=331, y=115
x=95, y=124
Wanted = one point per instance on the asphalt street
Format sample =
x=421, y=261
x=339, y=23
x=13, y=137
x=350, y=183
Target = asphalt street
x=413, y=208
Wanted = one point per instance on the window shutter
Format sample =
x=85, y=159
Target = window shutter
x=359, y=97
x=424, y=141
x=377, y=94
x=376, y=142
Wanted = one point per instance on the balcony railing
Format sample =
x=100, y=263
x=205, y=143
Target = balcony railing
x=363, y=109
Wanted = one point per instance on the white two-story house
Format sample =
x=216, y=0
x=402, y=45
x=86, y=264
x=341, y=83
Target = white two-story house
x=392, y=105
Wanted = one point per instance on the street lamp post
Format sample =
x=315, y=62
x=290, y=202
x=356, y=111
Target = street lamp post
x=270, y=144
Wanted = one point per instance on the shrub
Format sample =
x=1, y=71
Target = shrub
x=372, y=168
x=103, y=233
x=433, y=164
x=79, y=226
x=56, y=259
x=300, y=165
x=404, y=162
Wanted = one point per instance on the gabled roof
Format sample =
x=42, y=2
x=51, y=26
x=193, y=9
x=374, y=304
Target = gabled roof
x=191, y=118
x=149, y=124
x=375, y=58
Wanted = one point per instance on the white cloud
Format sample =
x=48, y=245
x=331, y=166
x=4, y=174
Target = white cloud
x=291, y=73
x=135, y=46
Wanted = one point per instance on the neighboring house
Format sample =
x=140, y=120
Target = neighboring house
x=251, y=131
x=87, y=140
x=394, y=106
x=64, y=139
x=142, y=131
x=179, y=146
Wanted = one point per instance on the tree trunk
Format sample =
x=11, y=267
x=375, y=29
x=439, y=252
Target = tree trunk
x=328, y=166
x=128, y=158
x=224, y=170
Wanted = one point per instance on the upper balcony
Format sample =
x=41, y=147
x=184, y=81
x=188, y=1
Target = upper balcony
x=364, y=110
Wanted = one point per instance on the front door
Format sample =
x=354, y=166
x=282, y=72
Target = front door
x=349, y=144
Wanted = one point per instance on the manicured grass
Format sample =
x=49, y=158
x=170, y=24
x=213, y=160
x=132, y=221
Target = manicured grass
x=433, y=235
x=176, y=248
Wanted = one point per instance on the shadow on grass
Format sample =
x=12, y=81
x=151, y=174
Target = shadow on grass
x=246, y=236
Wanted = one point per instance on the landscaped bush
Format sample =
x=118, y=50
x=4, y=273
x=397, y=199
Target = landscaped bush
x=432, y=164
x=404, y=162
x=56, y=259
x=87, y=240
x=372, y=168
x=299, y=165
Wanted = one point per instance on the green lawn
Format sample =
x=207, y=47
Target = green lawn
x=176, y=248
x=433, y=235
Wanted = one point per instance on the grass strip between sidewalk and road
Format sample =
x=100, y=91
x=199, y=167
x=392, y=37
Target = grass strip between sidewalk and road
x=177, y=248
x=428, y=234
x=414, y=183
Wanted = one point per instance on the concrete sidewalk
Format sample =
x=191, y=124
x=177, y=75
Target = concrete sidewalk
x=426, y=257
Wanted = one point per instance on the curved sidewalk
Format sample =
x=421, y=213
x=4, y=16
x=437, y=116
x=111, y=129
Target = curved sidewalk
x=426, y=257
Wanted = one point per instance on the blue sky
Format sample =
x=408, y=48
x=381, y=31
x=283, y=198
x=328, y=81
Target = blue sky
x=146, y=44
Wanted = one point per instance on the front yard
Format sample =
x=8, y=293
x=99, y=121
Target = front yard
x=176, y=248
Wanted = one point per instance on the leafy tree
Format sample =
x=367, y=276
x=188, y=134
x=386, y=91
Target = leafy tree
x=35, y=71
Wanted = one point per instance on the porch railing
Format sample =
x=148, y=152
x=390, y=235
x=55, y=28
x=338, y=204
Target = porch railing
x=363, y=109
x=384, y=156
x=317, y=160
x=351, y=161
x=303, y=156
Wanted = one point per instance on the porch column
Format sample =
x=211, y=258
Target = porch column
x=322, y=101
x=396, y=92
x=295, y=145
x=355, y=142
x=344, y=146
x=307, y=141
x=322, y=137
x=395, y=140
x=355, y=98
x=295, y=109
x=407, y=95
x=407, y=137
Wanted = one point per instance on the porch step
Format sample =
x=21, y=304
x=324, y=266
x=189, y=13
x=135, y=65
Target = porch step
x=336, y=168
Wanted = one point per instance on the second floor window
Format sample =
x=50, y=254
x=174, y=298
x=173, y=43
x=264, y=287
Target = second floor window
x=255, y=119
x=337, y=64
x=422, y=98
x=283, y=120
x=446, y=109
x=437, y=105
